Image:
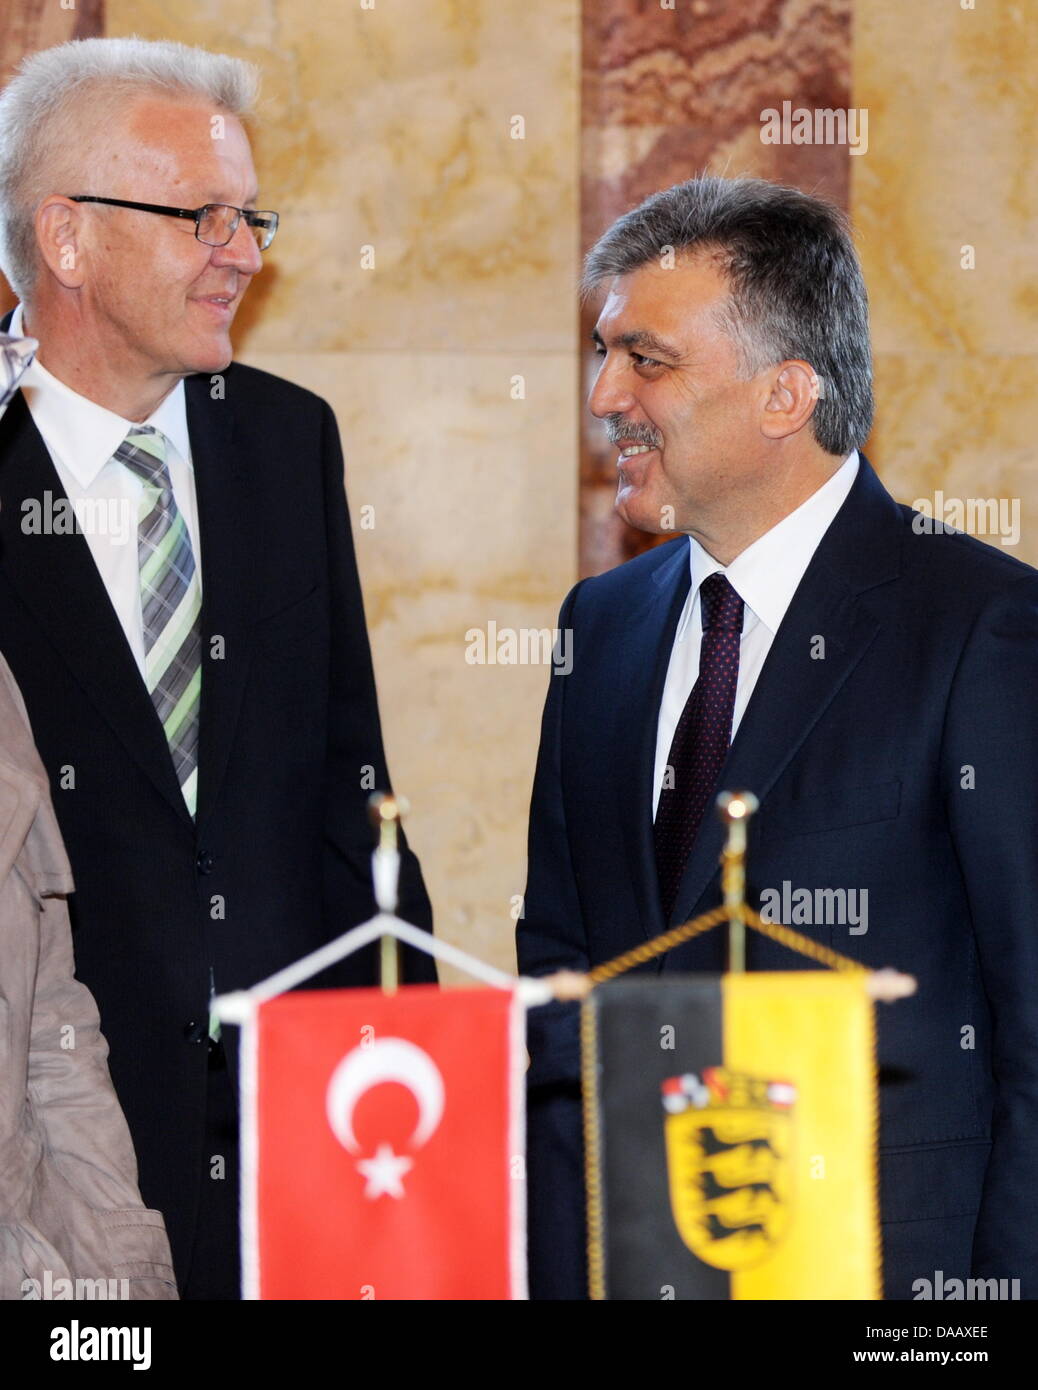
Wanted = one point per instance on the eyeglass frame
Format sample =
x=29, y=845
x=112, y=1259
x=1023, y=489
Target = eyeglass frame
x=194, y=214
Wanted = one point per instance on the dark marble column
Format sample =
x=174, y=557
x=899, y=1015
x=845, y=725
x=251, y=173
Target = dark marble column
x=671, y=92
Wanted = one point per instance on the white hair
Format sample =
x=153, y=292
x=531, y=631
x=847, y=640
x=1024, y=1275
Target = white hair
x=56, y=115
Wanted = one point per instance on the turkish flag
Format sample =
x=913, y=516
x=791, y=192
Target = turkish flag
x=382, y=1145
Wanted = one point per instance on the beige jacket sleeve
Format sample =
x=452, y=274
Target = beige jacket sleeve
x=76, y=1210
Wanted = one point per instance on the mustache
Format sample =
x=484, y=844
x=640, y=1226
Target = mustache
x=618, y=428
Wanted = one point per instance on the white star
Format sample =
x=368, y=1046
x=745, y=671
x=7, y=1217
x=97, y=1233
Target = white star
x=384, y=1172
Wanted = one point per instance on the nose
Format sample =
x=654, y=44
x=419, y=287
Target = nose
x=241, y=251
x=609, y=395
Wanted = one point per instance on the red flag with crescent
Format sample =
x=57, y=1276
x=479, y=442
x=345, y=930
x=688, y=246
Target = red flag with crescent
x=382, y=1145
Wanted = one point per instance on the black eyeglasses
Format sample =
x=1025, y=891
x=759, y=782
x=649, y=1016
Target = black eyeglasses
x=215, y=223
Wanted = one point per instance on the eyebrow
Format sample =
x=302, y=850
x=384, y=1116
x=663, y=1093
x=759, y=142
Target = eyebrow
x=253, y=198
x=640, y=339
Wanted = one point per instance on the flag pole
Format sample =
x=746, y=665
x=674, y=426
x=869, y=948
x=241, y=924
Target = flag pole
x=385, y=812
x=735, y=810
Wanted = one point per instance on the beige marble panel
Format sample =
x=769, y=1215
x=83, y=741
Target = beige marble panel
x=469, y=527
x=391, y=127
x=951, y=95
x=963, y=426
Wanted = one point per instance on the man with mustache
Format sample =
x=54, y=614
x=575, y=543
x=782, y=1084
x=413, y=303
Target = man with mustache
x=202, y=696
x=870, y=677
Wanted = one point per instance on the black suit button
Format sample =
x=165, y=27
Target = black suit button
x=196, y=1032
x=204, y=862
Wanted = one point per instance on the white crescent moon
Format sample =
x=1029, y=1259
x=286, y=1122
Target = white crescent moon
x=387, y=1059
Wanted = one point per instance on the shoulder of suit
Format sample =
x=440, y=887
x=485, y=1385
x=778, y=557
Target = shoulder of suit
x=955, y=559
x=258, y=388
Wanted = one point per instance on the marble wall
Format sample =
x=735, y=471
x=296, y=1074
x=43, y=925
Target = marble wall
x=946, y=209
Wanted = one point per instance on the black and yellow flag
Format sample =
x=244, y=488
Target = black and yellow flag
x=731, y=1128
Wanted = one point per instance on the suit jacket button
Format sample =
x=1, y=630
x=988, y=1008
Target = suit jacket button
x=196, y=1032
x=204, y=862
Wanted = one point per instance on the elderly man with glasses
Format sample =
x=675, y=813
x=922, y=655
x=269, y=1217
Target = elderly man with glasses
x=192, y=647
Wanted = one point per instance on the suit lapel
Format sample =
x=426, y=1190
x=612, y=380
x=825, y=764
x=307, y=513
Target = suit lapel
x=57, y=581
x=228, y=542
x=640, y=677
x=859, y=551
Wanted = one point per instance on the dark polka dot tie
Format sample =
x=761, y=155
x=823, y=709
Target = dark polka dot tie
x=701, y=739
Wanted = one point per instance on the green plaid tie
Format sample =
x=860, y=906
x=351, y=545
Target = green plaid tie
x=171, y=605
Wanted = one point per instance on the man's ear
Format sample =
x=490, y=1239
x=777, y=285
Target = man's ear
x=795, y=389
x=58, y=236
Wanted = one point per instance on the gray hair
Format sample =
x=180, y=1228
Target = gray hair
x=54, y=111
x=796, y=289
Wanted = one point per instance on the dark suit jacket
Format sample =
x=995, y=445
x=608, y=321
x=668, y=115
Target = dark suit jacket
x=904, y=763
x=278, y=862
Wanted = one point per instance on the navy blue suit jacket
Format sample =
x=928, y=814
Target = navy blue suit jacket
x=278, y=860
x=904, y=762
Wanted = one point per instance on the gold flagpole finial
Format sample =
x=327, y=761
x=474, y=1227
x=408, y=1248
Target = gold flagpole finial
x=735, y=810
x=385, y=813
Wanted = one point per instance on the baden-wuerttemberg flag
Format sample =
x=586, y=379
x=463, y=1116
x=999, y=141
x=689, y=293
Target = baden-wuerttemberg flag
x=731, y=1132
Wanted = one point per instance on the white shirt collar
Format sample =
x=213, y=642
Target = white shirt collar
x=766, y=574
x=83, y=434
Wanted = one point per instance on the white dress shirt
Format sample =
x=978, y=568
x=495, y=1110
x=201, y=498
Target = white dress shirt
x=765, y=576
x=81, y=437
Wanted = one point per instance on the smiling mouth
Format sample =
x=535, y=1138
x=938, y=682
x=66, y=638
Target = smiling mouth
x=632, y=450
x=220, y=307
